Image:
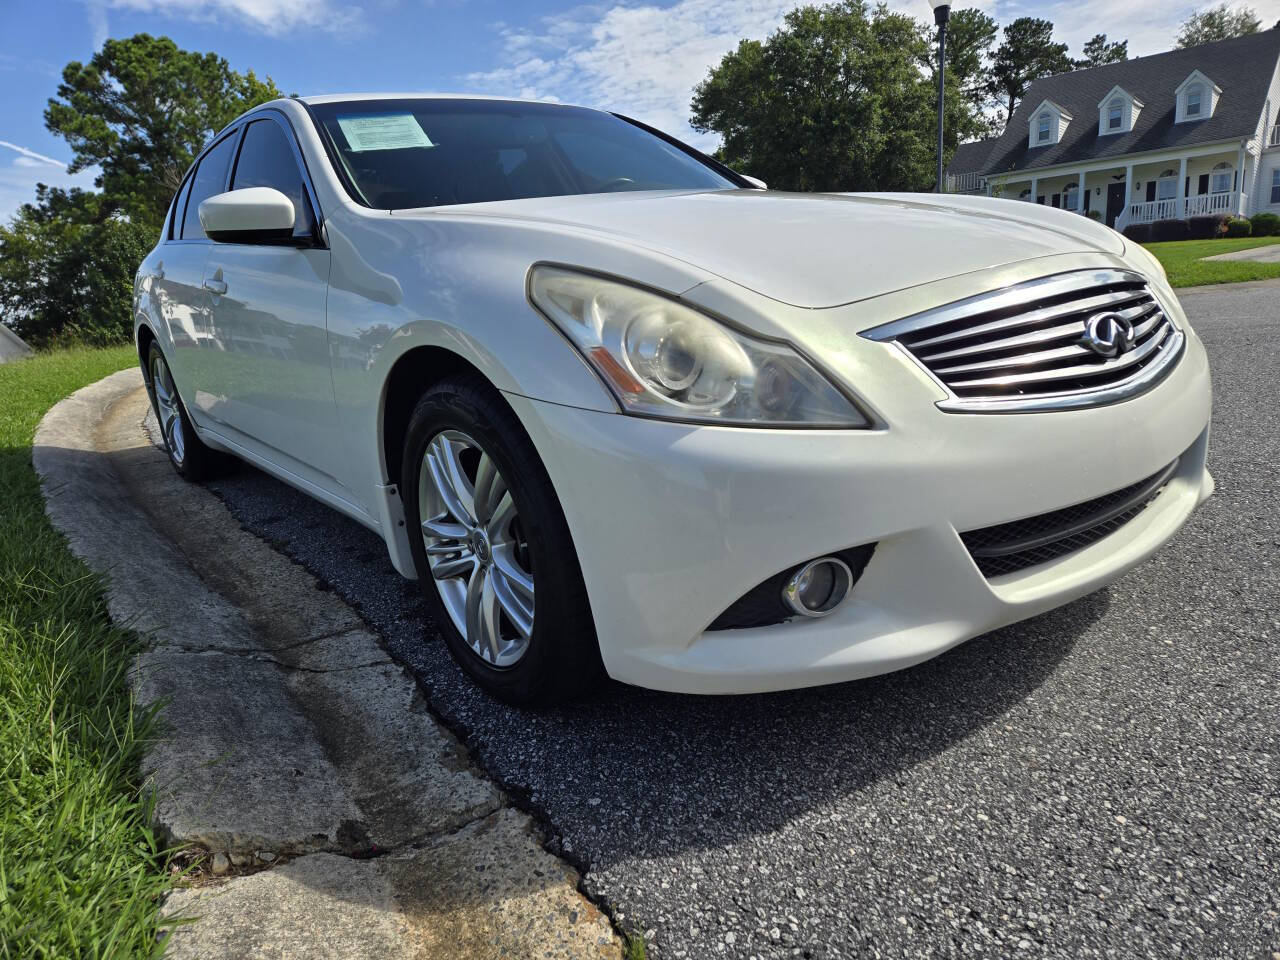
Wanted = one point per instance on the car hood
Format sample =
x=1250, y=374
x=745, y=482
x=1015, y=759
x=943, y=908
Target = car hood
x=819, y=250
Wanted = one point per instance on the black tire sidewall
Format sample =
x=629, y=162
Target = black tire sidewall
x=560, y=661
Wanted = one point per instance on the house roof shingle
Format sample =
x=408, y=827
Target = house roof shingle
x=1242, y=67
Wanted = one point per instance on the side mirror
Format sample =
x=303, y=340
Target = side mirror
x=251, y=215
x=755, y=182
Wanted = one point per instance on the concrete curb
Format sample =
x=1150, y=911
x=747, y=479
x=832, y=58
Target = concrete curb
x=293, y=741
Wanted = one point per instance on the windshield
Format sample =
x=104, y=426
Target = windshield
x=398, y=154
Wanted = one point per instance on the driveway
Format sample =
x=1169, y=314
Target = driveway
x=1099, y=781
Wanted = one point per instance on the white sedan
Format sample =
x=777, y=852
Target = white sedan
x=620, y=410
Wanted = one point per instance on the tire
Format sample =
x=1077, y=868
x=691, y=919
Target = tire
x=190, y=457
x=512, y=535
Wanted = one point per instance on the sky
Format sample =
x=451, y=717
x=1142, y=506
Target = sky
x=639, y=57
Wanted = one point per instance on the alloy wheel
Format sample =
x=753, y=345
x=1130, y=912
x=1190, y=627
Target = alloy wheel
x=167, y=407
x=476, y=548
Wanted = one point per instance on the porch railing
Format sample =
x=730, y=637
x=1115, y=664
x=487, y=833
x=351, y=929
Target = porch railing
x=1274, y=139
x=1179, y=209
x=966, y=183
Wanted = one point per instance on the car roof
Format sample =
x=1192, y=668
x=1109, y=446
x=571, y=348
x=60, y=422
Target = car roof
x=343, y=97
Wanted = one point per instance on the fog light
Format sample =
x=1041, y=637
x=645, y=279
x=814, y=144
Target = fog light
x=818, y=587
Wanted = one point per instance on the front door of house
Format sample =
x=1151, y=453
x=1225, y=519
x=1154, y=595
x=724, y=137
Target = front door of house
x=1115, y=202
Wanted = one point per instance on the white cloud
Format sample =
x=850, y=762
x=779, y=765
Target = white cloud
x=27, y=157
x=271, y=17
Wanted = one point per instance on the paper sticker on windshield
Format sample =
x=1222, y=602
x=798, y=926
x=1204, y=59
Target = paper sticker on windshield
x=383, y=131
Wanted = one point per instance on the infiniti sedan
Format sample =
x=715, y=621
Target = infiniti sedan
x=622, y=411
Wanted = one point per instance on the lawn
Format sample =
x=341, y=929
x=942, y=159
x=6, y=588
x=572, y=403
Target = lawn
x=1182, y=261
x=80, y=872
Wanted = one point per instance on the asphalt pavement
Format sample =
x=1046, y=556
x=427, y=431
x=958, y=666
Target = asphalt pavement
x=1101, y=781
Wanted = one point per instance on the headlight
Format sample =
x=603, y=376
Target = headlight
x=664, y=359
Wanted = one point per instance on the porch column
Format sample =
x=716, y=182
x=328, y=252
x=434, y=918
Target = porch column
x=1035, y=188
x=1182, y=188
x=1080, y=201
x=1243, y=158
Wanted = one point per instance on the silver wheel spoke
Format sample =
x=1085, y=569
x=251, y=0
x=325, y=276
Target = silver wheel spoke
x=448, y=453
x=442, y=528
x=504, y=559
x=501, y=519
x=520, y=614
x=457, y=567
x=489, y=485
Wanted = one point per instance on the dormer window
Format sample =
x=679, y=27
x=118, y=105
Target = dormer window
x=1195, y=97
x=1046, y=124
x=1115, y=115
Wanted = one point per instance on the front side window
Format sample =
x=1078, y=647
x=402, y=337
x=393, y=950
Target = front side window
x=1194, y=96
x=209, y=179
x=266, y=160
x=1070, y=194
x=1115, y=115
x=1275, y=185
x=1167, y=187
x=1042, y=129
x=400, y=154
x=1223, y=175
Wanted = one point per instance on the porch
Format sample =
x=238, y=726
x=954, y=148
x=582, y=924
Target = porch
x=1170, y=187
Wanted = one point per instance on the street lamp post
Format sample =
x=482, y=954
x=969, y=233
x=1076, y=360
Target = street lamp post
x=941, y=14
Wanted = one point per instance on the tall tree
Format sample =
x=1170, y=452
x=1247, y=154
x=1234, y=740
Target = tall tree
x=1218, y=23
x=834, y=100
x=141, y=109
x=970, y=37
x=1027, y=53
x=1098, y=52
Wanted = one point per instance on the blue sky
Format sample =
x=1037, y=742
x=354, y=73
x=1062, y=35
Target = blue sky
x=641, y=57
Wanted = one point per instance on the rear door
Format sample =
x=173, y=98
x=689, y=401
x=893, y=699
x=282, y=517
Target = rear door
x=179, y=277
x=268, y=303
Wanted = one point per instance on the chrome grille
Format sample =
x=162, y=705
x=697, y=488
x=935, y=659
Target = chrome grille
x=1025, y=347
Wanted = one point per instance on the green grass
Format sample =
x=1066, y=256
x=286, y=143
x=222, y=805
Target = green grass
x=1182, y=261
x=80, y=872
x=634, y=947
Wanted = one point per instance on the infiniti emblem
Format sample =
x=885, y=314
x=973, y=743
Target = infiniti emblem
x=1108, y=334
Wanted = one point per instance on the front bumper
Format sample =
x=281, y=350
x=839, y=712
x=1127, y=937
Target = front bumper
x=673, y=523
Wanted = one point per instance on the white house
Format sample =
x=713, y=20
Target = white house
x=1172, y=136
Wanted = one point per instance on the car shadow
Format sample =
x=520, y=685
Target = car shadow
x=633, y=773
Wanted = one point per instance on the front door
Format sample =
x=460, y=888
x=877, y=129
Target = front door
x=268, y=320
x=1115, y=202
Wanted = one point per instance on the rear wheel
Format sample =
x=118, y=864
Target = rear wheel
x=189, y=455
x=492, y=550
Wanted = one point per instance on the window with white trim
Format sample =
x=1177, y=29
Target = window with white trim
x=1275, y=185
x=1043, y=127
x=1167, y=186
x=1070, y=196
x=1223, y=178
x=1195, y=101
x=1115, y=115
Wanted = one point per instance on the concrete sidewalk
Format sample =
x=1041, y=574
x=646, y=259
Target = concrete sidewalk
x=340, y=818
x=1267, y=254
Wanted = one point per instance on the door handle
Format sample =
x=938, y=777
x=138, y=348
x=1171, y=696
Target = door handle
x=216, y=287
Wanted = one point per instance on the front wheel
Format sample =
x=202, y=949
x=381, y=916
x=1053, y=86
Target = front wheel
x=492, y=549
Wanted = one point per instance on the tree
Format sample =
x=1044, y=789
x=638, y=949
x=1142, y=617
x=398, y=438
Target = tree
x=66, y=269
x=1026, y=54
x=1217, y=23
x=1098, y=52
x=141, y=109
x=834, y=100
x=970, y=36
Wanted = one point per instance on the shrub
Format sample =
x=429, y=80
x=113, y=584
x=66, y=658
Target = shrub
x=1163, y=231
x=1138, y=232
x=1265, y=225
x=1208, y=227
x=1094, y=215
x=1239, y=227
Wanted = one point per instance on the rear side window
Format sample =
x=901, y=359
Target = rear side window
x=210, y=179
x=179, y=204
x=267, y=160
